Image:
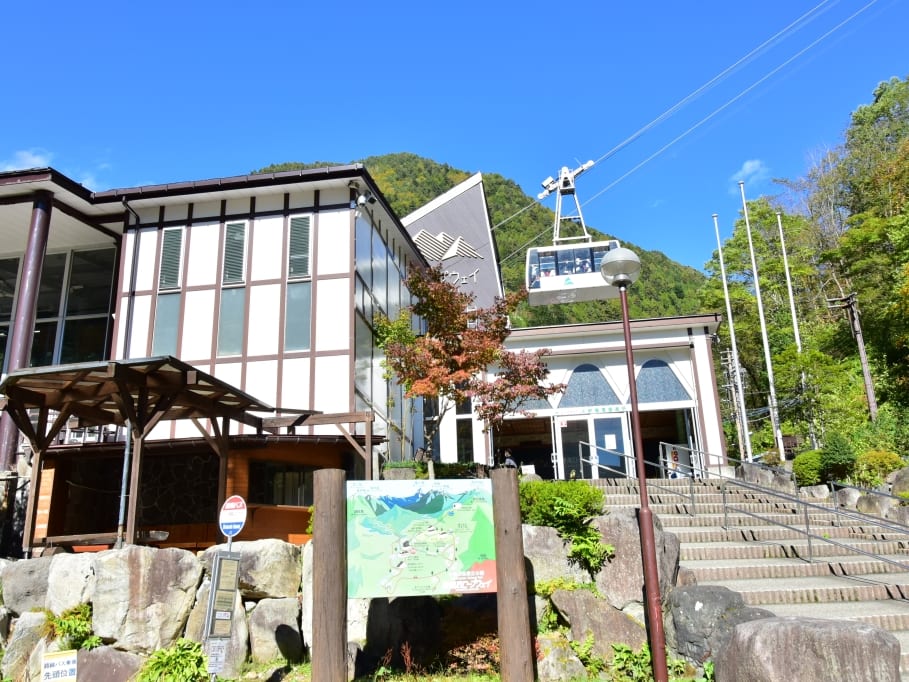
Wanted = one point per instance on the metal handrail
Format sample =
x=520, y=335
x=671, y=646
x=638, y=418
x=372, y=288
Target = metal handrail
x=725, y=481
x=690, y=498
x=864, y=519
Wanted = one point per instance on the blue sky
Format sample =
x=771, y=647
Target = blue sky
x=120, y=94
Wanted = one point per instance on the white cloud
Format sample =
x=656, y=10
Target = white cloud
x=27, y=158
x=752, y=172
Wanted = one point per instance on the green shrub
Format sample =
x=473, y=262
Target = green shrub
x=807, y=468
x=873, y=466
x=181, y=662
x=771, y=458
x=568, y=506
x=837, y=458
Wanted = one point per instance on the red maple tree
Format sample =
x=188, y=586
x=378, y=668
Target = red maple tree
x=443, y=348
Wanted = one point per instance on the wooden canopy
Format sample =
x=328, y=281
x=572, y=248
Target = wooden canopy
x=139, y=394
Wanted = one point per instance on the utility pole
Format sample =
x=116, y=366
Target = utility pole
x=851, y=306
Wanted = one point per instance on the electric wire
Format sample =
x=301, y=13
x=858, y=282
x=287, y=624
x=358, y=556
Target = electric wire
x=804, y=19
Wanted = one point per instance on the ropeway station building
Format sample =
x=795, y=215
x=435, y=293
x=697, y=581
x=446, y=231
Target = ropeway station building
x=166, y=346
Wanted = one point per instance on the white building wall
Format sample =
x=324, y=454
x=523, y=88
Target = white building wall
x=198, y=323
x=334, y=247
x=332, y=330
x=264, y=320
x=203, y=254
x=266, y=249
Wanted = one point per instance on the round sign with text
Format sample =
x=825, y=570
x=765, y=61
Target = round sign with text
x=233, y=516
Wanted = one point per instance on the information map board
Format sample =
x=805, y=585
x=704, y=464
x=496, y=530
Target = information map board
x=420, y=537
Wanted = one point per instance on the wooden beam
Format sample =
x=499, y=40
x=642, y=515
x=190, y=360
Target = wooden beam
x=31, y=507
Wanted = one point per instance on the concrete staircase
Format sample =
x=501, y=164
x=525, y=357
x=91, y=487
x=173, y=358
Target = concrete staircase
x=771, y=565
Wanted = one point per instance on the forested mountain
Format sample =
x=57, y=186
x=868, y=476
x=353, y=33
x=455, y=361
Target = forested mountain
x=409, y=181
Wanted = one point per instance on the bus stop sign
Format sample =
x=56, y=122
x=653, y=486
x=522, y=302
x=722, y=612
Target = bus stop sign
x=233, y=516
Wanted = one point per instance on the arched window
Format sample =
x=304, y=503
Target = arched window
x=587, y=387
x=657, y=383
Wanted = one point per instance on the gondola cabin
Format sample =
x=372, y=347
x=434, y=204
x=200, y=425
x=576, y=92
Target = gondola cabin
x=567, y=273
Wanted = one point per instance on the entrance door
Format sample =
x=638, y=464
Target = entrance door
x=610, y=441
x=588, y=438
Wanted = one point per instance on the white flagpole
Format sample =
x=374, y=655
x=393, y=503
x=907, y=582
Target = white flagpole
x=774, y=416
x=744, y=434
x=795, y=321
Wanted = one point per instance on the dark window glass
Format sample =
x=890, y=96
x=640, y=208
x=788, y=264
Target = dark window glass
x=84, y=340
x=51, y=285
x=465, y=440
x=9, y=273
x=280, y=483
x=90, y=282
x=43, y=344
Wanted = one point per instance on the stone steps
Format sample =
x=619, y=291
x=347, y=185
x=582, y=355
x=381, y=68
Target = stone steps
x=714, y=551
x=764, y=556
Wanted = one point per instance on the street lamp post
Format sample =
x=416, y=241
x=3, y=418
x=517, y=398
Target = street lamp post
x=620, y=268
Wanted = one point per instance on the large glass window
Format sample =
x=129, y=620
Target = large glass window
x=230, y=321
x=167, y=319
x=298, y=316
x=280, y=483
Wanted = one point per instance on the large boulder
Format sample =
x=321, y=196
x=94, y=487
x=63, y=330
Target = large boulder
x=25, y=584
x=621, y=580
x=143, y=596
x=900, y=481
x=274, y=630
x=69, y=581
x=809, y=650
x=268, y=568
x=556, y=660
x=589, y=616
x=847, y=497
x=27, y=633
x=108, y=664
x=702, y=617
x=876, y=505
x=766, y=477
x=546, y=557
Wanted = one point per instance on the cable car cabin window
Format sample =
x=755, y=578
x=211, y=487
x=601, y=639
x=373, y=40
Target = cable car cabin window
x=567, y=273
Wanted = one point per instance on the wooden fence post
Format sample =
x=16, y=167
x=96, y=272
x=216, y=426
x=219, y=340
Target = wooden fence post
x=329, y=577
x=515, y=642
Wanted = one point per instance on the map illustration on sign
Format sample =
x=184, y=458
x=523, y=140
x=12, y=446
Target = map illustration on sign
x=411, y=538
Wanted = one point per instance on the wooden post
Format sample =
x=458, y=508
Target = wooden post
x=515, y=642
x=329, y=577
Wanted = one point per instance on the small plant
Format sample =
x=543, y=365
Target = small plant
x=568, y=506
x=73, y=628
x=181, y=662
x=311, y=522
x=584, y=651
x=904, y=498
x=628, y=665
